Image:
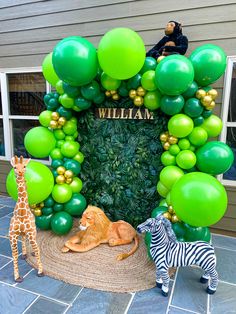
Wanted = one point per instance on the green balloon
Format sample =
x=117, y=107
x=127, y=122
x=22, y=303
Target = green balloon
x=184, y=143
x=134, y=82
x=163, y=203
x=196, y=233
x=191, y=91
x=206, y=113
x=66, y=101
x=48, y=70
x=64, y=112
x=214, y=158
x=39, y=142
x=76, y=205
x=45, y=118
x=149, y=64
x=70, y=148
x=73, y=165
x=56, y=154
x=76, y=185
x=61, y=193
x=47, y=211
x=161, y=189
x=167, y=159
x=99, y=99
x=39, y=180
x=186, y=159
x=213, y=125
x=121, y=53
x=209, y=62
x=123, y=90
x=69, y=128
x=174, y=149
x=49, y=202
x=79, y=157
x=71, y=91
x=59, y=134
x=58, y=207
x=193, y=107
x=198, y=136
x=152, y=100
x=170, y=175
x=180, y=125
x=148, y=80
x=82, y=103
x=174, y=75
x=172, y=105
x=179, y=229
x=159, y=210
x=75, y=60
x=91, y=90
x=60, y=143
x=61, y=223
x=109, y=83
x=43, y=222
x=198, y=121
x=147, y=240
x=199, y=199
x=59, y=87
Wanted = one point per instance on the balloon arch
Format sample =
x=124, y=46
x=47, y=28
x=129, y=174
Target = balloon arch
x=178, y=86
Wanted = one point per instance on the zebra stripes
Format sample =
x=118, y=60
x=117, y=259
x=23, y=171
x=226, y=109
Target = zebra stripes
x=167, y=252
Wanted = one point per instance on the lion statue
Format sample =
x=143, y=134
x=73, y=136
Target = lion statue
x=96, y=228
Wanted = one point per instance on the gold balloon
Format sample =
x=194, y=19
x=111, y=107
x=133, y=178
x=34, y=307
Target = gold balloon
x=170, y=209
x=206, y=100
x=138, y=101
x=38, y=211
x=174, y=218
x=108, y=93
x=132, y=93
x=167, y=215
x=160, y=58
x=172, y=140
x=115, y=97
x=166, y=145
x=211, y=106
x=69, y=180
x=200, y=93
x=163, y=137
x=141, y=91
x=68, y=174
x=33, y=206
x=41, y=204
x=62, y=120
x=53, y=124
x=55, y=116
x=213, y=93
x=61, y=170
x=60, y=179
x=113, y=92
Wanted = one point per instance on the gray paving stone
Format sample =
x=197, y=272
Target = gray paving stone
x=8, y=201
x=175, y=310
x=226, y=261
x=189, y=293
x=224, y=242
x=6, y=273
x=4, y=260
x=224, y=300
x=5, y=247
x=100, y=302
x=4, y=225
x=4, y=211
x=46, y=306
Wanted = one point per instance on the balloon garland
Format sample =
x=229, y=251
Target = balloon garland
x=176, y=85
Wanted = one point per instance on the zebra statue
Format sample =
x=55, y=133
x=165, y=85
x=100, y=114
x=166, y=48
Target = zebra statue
x=167, y=252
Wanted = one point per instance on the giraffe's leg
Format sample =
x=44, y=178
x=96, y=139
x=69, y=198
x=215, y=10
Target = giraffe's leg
x=158, y=279
x=32, y=240
x=14, y=248
x=166, y=279
x=24, y=253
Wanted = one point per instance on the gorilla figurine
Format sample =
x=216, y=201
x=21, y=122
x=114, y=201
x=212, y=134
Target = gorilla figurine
x=173, y=43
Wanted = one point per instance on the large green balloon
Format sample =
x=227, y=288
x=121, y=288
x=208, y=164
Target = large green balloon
x=213, y=125
x=121, y=53
x=174, y=75
x=152, y=100
x=75, y=60
x=193, y=107
x=180, y=125
x=148, y=80
x=170, y=175
x=39, y=180
x=48, y=70
x=172, y=105
x=43, y=222
x=214, y=158
x=186, y=159
x=109, y=83
x=61, y=223
x=61, y=193
x=209, y=62
x=199, y=199
x=39, y=142
x=76, y=205
x=196, y=233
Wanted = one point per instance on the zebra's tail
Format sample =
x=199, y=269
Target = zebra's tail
x=132, y=251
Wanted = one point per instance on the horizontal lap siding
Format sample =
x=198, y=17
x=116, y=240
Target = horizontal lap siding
x=31, y=28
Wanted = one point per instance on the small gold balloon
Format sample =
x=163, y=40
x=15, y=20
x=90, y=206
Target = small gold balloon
x=41, y=204
x=138, y=101
x=132, y=93
x=170, y=209
x=38, y=211
x=69, y=180
x=206, y=100
x=68, y=174
x=172, y=140
x=61, y=170
x=159, y=59
x=166, y=145
x=163, y=137
x=55, y=116
x=141, y=91
x=60, y=179
x=174, y=218
x=108, y=93
x=213, y=93
x=115, y=97
x=53, y=124
x=167, y=215
x=62, y=120
x=33, y=206
x=113, y=92
x=200, y=93
x=211, y=106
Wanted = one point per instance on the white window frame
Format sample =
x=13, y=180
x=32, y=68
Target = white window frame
x=225, y=109
x=7, y=117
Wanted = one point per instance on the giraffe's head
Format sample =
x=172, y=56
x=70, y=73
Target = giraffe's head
x=19, y=165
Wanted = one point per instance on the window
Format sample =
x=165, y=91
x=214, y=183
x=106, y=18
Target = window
x=228, y=134
x=2, y=146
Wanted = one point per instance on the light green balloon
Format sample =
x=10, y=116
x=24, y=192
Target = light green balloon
x=180, y=125
x=148, y=80
x=186, y=159
x=152, y=100
x=213, y=125
x=170, y=175
x=198, y=136
x=109, y=83
x=62, y=193
x=161, y=189
x=167, y=159
x=76, y=185
x=45, y=118
x=48, y=70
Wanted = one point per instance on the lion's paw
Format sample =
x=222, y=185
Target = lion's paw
x=112, y=242
x=65, y=249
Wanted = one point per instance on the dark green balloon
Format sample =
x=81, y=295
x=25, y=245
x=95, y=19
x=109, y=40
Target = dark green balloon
x=61, y=223
x=47, y=211
x=43, y=222
x=82, y=103
x=206, y=113
x=49, y=202
x=71, y=91
x=181, y=239
x=134, y=82
x=73, y=165
x=54, y=172
x=179, y=229
x=58, y=207
x=190, y=92
x=47, y=97
x=196, y=233
x=57, y=163
x=149, y=64
x=193, y=107
x=76, y=205
x=148, y=239
x=64, y=112
x=90, y=90
x=159, y=210
x=99, y=99
x=172, y=105
x=123, y=89
x=53, y=104
x=198, y=121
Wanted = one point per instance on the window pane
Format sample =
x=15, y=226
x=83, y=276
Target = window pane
x=26, y=93
x=20, y=128
x=232, y=100
x=2, y=147
x=0, y=99
x=231, y=141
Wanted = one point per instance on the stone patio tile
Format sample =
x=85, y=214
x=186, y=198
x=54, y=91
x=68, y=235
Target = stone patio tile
x=4, y=211
x=224, y=242
x=5, y=248
x=46, y=306
x=6, y=273
x=4, y=226
x=4, y=260
x=8, y=201
x=224, y=300
x=226, y=265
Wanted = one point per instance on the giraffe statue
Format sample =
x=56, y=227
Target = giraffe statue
x=23, y=221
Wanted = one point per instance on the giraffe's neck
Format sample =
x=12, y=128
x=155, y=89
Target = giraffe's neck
x=22, y=206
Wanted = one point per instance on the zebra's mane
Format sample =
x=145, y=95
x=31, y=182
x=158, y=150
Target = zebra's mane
x=168, y=227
